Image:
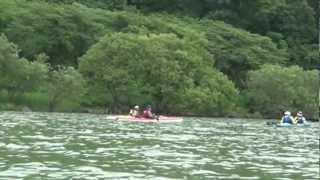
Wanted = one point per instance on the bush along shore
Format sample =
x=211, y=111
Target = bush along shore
x=187, y=58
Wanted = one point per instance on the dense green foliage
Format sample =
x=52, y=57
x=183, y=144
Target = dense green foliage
x=183, y=57
x=162, y=70
x=237, y=51
x=64, y=33
x=18, y=76
x=289, y=21
x=65, y=85
x=274, y=89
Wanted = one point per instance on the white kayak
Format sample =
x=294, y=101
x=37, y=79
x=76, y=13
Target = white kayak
x=160, y=119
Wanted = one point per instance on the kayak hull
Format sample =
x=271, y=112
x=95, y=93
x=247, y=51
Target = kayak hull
x=160, y=119
x=291, y=125
x=276, y=124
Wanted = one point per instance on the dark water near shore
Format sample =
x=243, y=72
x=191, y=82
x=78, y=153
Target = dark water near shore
x=82, y=146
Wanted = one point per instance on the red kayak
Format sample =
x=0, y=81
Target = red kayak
x=160, y=119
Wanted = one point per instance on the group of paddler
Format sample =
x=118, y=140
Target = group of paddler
x=288, y=119
x=147, y=113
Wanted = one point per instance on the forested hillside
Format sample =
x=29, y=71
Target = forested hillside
x=240, y=58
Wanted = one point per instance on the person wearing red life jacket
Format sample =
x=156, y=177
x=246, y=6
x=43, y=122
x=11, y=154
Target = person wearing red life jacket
x=147, y=113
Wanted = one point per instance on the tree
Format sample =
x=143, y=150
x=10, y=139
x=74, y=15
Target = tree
x=237, y=51
x=273, y=89
x=29, y=76
x=65, y=85
x=155, y=69
x=297, y=24
x=215, y=96
x=109, y=4
x=182, y=7
x=63, y=32
x=293, y=21
x=17, y=75
x=8, y=56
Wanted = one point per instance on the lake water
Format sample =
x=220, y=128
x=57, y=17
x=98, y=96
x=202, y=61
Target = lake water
x=82, y=146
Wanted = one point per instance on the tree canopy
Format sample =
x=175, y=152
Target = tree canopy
x=190, y=57
x=162, y=70
x=275, y=89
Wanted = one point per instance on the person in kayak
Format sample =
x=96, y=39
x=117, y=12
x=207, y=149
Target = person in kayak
x=299, y=118
x=135, y=112
x=147, y=113
x=287, y=118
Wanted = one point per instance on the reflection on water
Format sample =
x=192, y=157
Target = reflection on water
x=82, y=146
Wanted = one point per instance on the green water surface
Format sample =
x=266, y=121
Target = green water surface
x=83, y=146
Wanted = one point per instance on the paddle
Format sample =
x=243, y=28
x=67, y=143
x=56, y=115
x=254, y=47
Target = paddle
x=269, y=123
x=157, y=117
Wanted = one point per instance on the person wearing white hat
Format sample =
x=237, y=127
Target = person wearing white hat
x=299, y=118
x=135, y=112
x=287, y=118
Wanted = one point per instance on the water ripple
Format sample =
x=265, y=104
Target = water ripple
x=84, y=146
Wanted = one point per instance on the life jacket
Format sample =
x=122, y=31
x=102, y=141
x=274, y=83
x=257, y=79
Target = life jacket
x=146, y=114
x=287, y=119
x=300, y=120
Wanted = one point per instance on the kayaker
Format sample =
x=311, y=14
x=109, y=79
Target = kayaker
x=135, y=112
x=147, y=113
x=287, y=118
x=299, y=118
